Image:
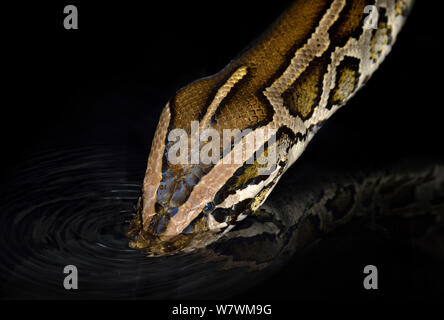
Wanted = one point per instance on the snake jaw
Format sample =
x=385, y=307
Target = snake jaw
x=154, y=245
x=204, y=230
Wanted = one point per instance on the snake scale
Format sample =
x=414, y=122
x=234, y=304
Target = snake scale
x=307, y=65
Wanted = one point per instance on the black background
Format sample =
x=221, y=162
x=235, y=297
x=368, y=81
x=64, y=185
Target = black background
x=107, y=82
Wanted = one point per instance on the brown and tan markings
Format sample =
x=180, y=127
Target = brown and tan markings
x=381, y=37
x=257, y=110
x=305, y=93
x=403, y=7
x=296, y=75
x=347, y=77
x=249, y=173
x=350, y=24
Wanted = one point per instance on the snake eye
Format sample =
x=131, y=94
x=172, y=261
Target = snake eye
x=208, y=207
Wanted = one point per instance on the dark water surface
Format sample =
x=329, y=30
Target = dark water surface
x=72, y=207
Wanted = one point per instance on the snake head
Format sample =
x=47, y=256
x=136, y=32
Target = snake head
x=189, y=204
x=282, y=88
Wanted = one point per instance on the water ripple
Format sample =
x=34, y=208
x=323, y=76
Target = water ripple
x=72, y=207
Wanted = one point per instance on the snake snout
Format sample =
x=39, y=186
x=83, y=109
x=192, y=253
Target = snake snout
x=154, y=243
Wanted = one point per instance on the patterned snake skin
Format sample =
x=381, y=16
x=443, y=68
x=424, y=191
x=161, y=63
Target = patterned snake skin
x=310, y=62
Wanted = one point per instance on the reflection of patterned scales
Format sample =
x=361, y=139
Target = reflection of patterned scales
x=291, y=80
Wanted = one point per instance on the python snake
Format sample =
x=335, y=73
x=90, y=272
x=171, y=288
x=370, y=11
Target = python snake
x=309, y=63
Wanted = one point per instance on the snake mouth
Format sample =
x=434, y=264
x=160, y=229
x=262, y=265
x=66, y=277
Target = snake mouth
x=154, y=245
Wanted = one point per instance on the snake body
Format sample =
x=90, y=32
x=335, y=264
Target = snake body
x=309, y=63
